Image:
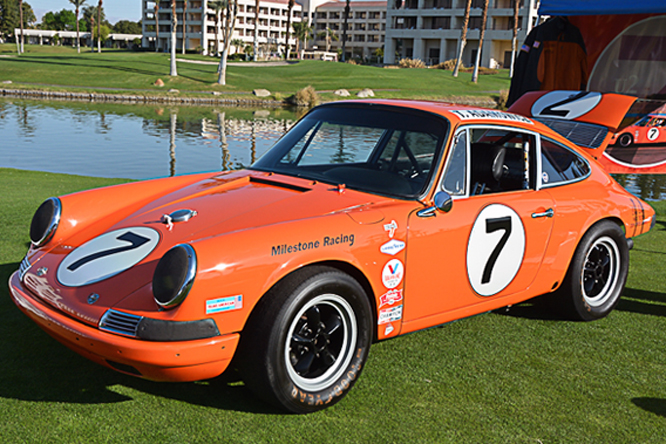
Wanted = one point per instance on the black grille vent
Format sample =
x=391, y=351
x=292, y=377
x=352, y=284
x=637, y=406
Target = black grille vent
x=582, y=134
x=24, y=267
x=120, y=323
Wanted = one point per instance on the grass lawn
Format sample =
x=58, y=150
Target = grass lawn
x=516, y=377
x=42, y=66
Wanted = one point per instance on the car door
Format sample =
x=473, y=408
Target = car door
x=491, y=243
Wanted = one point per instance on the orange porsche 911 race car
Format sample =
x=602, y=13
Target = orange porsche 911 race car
x=367, y=220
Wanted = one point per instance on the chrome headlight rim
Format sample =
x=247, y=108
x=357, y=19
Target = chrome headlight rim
x=45, y=233
x=176, y=295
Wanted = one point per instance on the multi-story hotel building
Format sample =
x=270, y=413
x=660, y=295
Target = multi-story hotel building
x=366, y=25
x=430, y=30
x=200, y=24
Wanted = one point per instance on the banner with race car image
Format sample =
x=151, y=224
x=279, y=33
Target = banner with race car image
x=626, y=54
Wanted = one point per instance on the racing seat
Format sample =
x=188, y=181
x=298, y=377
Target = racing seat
x=487, y=167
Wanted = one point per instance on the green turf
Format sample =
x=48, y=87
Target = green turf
x=42, y=66
x=516, y=377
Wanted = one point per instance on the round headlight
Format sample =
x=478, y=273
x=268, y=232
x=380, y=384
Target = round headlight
x=174, y=276
x=45, y=221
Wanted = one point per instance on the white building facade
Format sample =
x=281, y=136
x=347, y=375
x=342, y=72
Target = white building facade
x=430, y=30
x=365, y=27
x=200, y=25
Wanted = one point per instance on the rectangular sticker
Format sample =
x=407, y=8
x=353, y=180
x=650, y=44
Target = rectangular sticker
x=390, y=314
x=224, y=304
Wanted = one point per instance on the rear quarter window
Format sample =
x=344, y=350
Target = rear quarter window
x=560, y=165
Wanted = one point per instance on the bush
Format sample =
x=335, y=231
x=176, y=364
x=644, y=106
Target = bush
x=411, y=63
x=448, y=65
x=502, y=99
x=305, y=97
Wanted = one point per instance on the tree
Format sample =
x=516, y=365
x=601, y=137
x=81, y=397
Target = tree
x=217, y=6
x=184, y=27
x=101, y=33
x=99, y=24
x=255, y=39
x=475, y=74
x=463, y=38
x=77, y=5
x=290, y=6
x=302, y=32
x=229, y=24
x=21, y=21
x=328, y=34
x=127, y=27
x=514, y=40
x=157, y=26
x=237, y=44
x=344, y=30
x=9, y=17
x=174, y=23
x=29, y=18
x=90, y=11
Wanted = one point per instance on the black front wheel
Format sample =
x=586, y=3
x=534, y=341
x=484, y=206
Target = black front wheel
x=307, y=341
x=597, y=273
x=625, y=139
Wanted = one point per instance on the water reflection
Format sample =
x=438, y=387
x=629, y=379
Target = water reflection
x=137, y=142
x=140, y=142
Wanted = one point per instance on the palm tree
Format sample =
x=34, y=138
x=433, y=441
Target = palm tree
x=217, y=6
x=475, y=75
x=302, y=31
x=255, y=40
x=344, y=30
x=174, y=23
x=99, y=26
x=237, y=44
x=184, y=26
x=77, y=5
x=514, y=40
x=21, y=19
x=328, y=34
x=157, y=25
x=290, y=6
x=463, y=38
x=229, y=22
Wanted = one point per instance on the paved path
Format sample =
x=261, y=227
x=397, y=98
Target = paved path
x=204, y=62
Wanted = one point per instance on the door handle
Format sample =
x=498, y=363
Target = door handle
x=548, y=213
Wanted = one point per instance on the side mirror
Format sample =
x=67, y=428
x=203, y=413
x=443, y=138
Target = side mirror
x=443, y=203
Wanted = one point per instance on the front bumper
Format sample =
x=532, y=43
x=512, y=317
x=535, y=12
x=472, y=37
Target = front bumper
x=159, y=361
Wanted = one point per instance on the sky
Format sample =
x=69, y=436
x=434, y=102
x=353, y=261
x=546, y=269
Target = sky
x=115, y=10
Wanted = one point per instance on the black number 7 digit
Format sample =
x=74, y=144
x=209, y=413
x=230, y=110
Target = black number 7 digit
x=492, y=225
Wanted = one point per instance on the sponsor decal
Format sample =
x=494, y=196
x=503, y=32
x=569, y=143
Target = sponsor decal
x=390, y=315
x=544, y=177
x=464, y=114
x=224, y=304
x=392, y=247
x=392, y=273
x=389, y=329
x=536, y=44
x=391, y=228
x=390, y=297
x=525, y=48
x=326, y=241
x=107, y=255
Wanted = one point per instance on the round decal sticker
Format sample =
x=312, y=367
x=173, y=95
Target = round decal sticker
x=107, y=255
x=565, y=104
x=652, y=134
x=495, y=249
x=393, y=273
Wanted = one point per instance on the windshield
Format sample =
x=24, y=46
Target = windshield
x=374, y=148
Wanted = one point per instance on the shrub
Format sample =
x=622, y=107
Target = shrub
x=411, y=63
x=305, y=97
x=449, y=65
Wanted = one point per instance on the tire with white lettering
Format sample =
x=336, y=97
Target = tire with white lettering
x=307, y=341
x=597, y=274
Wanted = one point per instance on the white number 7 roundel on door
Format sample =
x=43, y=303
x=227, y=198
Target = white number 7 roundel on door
x=495, y=249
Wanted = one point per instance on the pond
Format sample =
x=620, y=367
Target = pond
x=148, y=141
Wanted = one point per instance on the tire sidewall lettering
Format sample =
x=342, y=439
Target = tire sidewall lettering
x=495, y=249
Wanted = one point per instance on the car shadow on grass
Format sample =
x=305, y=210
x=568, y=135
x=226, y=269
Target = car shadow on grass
x=35, y=367
x=654, y=405
x=643, y=302
x=538, y=309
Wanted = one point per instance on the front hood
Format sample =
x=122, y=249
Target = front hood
x=92, y=271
